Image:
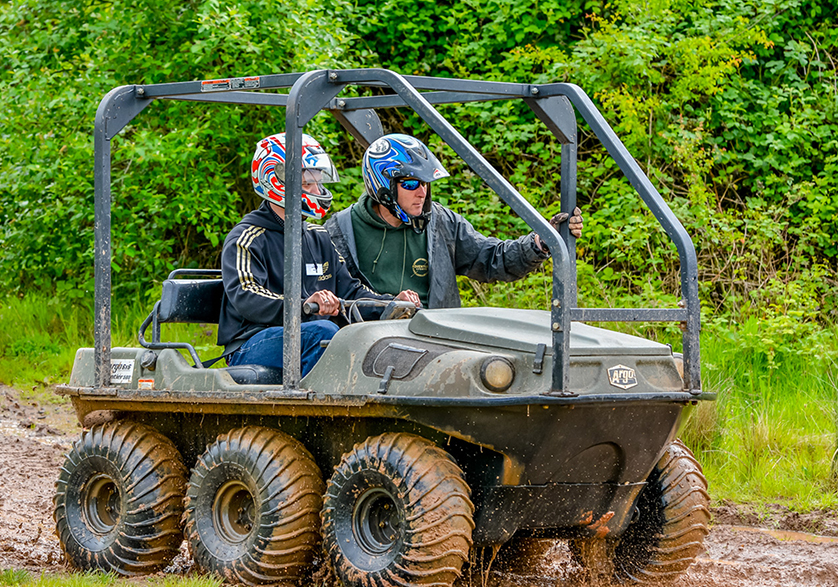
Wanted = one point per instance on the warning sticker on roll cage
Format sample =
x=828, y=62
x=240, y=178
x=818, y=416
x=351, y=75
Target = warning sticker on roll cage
x=230, y=83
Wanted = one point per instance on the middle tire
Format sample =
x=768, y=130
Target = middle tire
x=397, y=511
x=252, y=507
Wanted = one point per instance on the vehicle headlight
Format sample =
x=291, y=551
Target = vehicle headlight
x=497, y=373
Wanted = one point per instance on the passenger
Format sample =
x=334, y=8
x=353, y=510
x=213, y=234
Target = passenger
x=384, y=240
x=252, y=264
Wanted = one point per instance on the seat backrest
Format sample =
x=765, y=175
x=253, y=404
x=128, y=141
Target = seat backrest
x=191, y=300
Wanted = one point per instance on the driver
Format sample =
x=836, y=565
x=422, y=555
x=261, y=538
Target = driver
x=384, y=240
x=252, y=264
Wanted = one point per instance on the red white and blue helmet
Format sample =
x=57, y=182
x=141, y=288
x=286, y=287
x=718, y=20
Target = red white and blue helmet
x=391, y=158
x=268, y=173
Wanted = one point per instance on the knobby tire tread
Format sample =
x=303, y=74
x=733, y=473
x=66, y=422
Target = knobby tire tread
x=435, y=498
x=147, y=470
x=285, y=479
x=666, y=546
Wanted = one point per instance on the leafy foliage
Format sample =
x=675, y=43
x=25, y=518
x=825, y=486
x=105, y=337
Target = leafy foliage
x=729, y=107
x=180, y=177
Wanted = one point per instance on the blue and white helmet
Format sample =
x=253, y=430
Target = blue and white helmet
x=391, y=158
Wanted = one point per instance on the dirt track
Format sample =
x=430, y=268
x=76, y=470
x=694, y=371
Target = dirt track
x=790, y=549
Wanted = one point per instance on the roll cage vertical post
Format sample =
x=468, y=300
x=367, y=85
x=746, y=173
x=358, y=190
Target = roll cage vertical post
x=311, y=92
x=691, y=318
x=115, y=110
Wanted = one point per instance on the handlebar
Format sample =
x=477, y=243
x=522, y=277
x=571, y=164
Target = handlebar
x=393, y=309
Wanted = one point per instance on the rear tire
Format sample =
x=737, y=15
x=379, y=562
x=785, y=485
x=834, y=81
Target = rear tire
x=252, y=507
x=397, y=512
x=119, y=500
x=668, y=534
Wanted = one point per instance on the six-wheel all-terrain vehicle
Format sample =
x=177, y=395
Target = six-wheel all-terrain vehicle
x=411, y=442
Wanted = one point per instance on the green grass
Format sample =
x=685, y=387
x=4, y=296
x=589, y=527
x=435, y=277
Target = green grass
x=39, y=338
x=770, y=437
x=14, y=578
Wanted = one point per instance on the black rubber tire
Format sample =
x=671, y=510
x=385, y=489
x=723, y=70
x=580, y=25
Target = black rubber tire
x=673, y=517
x=119, y=500
x=252, y=507
x=397, y=511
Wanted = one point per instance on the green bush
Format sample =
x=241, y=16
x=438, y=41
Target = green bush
x=728, y=106
x=180, y=179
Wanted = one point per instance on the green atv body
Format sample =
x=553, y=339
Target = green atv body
x=412, y=442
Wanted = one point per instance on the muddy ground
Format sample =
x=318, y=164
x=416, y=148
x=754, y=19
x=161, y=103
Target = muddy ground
x=744, y=549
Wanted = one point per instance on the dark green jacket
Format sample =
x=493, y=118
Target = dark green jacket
x=454, y=248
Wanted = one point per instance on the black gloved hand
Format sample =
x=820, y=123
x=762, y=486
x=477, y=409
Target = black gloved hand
x=575, y=223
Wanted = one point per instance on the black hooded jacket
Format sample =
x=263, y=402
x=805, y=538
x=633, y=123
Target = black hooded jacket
x=252, y=267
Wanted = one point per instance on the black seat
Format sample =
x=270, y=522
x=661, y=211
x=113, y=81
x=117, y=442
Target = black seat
x=191, y=300
x=255, y=374
x=192, y=296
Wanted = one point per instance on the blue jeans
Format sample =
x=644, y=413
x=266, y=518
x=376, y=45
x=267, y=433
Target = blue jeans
x=265, y=347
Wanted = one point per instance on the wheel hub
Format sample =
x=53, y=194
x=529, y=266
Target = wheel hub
x=101, y=504
x=233, y=512
x=376, y=522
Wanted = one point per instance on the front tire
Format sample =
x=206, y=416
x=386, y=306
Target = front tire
x=397, y=511
x=668, y=532
x=252, y=508
x=119, y=500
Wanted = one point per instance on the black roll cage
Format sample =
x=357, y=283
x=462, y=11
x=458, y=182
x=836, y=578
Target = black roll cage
x=318, y=90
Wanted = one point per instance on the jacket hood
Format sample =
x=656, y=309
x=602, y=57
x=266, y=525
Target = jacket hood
x=366, y=213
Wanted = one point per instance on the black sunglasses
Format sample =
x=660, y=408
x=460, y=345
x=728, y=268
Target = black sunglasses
x=411, y=185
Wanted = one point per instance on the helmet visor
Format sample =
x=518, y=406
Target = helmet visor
x=320, y=164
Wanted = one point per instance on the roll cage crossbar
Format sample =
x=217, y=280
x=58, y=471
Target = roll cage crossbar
x=318, y=90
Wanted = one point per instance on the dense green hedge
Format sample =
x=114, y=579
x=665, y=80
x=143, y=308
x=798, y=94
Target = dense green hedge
x=729, y=106
x=179, y=173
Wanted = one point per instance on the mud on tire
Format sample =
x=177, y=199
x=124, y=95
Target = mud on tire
x=119, y=500
x=669, y=531
x=252, y=507
x=397, y=511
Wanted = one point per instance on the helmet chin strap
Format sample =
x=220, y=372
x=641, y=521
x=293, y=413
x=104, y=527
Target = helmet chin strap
x=386, y=199
x=419, y=222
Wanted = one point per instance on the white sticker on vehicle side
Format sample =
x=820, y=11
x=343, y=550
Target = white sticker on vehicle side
x=121, y=370
x=622, y=377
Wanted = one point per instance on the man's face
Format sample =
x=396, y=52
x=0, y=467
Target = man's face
x=412, y=201
x=312, y=182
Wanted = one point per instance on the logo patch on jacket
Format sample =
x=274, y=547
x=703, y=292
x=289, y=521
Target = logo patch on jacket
x=622, y=377
x=420, y=267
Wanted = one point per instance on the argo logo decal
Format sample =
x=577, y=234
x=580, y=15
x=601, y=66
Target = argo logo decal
x=622, y=377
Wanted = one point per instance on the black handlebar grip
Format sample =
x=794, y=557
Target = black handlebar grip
x=311, y=308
